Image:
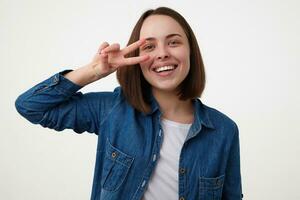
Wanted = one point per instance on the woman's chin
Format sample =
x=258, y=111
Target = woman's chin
x=164, y=88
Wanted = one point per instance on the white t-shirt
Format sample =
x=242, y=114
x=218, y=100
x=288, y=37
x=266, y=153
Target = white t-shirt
x=164, y=180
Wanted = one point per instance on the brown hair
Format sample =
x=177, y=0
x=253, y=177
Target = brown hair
x=135, y=87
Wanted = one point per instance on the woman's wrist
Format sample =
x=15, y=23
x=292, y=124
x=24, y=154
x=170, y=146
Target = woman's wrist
x=83, y=75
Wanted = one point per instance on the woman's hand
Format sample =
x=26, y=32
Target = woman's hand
x=107, y=60
x=110, y=57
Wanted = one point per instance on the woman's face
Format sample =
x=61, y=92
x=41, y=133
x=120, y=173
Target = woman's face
x=169, y=52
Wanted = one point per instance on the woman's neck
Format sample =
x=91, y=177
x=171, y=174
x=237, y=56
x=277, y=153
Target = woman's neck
x=173, y=108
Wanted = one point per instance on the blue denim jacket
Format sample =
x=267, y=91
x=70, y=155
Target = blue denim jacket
x=128, y=140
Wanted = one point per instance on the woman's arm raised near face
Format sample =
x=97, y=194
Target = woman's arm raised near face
x=56, y=103
x=107, y=60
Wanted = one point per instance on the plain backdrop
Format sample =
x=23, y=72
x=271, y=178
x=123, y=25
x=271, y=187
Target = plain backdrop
x=251, y=55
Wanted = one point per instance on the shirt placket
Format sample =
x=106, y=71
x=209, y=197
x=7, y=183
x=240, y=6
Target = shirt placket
x=152, y=164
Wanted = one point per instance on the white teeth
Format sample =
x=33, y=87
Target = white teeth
x=163, y=68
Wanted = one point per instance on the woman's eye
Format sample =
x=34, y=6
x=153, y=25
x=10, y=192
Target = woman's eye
x=148, y=47
x=173, y=42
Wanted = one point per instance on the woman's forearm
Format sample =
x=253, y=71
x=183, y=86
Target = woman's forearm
x=83, y=75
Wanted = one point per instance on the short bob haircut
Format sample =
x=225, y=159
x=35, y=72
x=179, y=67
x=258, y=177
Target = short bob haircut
x=135, y=87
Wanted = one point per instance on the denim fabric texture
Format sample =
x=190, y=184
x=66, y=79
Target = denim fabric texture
x=209, y=164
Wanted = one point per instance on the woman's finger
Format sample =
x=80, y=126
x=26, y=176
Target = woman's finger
x=135, y=60
x=113, y=47
x=133, y=46
x=103, y=55
x=102, y=46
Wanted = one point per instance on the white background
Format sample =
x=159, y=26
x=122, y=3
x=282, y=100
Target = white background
x=251, y=54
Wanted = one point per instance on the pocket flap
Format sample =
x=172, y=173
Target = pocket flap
x=117, y=155
x=212, y=182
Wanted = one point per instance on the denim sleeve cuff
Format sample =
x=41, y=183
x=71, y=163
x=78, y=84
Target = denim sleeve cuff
x=64, y=85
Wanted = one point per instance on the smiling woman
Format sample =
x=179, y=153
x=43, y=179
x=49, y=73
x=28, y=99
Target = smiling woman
x=156, y=139
x=169, y=51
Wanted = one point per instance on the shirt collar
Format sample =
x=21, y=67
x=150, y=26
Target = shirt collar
x=201, y=116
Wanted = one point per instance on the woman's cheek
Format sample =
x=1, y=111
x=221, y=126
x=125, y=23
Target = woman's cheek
x=148, y=62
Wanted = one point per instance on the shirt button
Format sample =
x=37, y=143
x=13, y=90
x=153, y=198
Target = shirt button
x=154, y=157
x=143, y=184
x=181, y=170
x=219, y=182
x=181, y=198
x=55, y=80
x=114, y=154
x=159, y=133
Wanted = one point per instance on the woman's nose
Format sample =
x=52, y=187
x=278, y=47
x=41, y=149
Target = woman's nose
x=162, y=54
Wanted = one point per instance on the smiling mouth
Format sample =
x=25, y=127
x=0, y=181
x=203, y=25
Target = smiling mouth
x=164, y=68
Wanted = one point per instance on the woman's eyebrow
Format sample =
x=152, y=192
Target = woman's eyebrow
x=168, y=36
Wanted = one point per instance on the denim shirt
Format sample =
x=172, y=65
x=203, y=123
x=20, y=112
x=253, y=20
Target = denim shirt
x=129, y=141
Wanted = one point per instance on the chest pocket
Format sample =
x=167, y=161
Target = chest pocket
x=115, y=168
x=211, y=188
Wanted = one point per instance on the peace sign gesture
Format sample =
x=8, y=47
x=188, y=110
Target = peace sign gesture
x=111, y=57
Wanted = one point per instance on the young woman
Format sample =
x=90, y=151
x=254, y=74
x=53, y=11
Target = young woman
x=156, y=139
